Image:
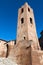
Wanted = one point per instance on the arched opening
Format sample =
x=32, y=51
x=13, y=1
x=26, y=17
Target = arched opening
x=24, y=38
x=28, y=9
x=31, y=20
x=22, y=10
x=22, y=20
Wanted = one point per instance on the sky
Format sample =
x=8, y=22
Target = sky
x=9, y=17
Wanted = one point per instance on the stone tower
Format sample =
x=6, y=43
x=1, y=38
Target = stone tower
x=26, y=29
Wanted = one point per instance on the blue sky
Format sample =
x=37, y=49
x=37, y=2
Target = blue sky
x=9, y=15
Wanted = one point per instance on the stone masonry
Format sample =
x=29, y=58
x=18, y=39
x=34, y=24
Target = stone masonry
x=26, y=49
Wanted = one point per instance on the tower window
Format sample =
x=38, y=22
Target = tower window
x=22, y=10
x=24, y=38
x=31, y=20
x=28, y=9
x=22, y=20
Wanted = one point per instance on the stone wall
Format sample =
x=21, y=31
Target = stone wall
x=11, y=46
x=3, y=49
x=22, y=53
x=7, y=48
x=37, y=57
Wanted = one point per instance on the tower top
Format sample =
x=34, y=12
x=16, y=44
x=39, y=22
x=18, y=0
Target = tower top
x=26, y=3
x=26, y=6
x=26, y=29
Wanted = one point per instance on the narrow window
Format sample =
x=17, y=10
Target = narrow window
x=22, y=20
x=31, y=20
x=28, y=9
x=24, y=38
x=7, y=50
x=22, y=10
x=15, y=42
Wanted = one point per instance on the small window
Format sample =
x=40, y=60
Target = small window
x=7, y=46
x=22, y=20
x=24, y=38
x=31, y=20
x=22, y=10
x=15, y=42
x=28, y=9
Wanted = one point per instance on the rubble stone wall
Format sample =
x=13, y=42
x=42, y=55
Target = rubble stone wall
x=37, y=57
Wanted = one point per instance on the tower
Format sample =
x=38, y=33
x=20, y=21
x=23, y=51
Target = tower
x=26, y=29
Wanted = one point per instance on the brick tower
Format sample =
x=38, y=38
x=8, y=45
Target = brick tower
x=26, y=29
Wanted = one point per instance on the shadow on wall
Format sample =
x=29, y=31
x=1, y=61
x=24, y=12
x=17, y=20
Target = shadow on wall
x=41, y=40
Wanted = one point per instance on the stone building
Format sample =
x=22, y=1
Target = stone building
x=26, y=29
x=26, y=49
